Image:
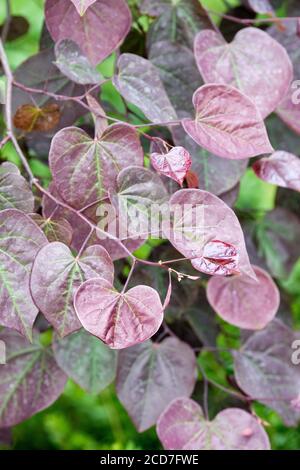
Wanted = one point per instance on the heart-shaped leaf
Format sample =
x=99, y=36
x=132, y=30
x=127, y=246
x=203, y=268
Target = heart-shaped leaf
x=138, y=82
x=183, y=426
x=218, y=258
x=253, y=62
x=200, y=217
x=14, y=189
x=227, y=123
x=263, y=6
x=20, y=241
x=57, y=274
x=119, y=319
x=244, y=302
x=74, y=64
x=84, y=169
x=282, y=169
x=264, y=370
x=82, y=5
x=29, y=381
x=174, y=164
x=151, y=375
x=86, y=360
x=178, y=21
x=99, y=31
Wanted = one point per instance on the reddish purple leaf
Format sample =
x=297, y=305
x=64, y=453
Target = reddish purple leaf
x=282, y=169
x=86, y=360
x=151, y=375
x=227, y=123
x=99, y=31
x=199, y=218
x=139, y=83
x=82, y=5
x=57, y=274
x=14, y=189
x=119, y=319
x=30, y=381
x=20, y=240
x=218, y=258
x=182, y=426
x=261, y=6
x=244, y=302
x=174, y=164
x=56, y=230
x=84, y=169
x=265, y=372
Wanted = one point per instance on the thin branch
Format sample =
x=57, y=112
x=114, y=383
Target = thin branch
x=7, y=22
x=129, y=276
x=249, y=21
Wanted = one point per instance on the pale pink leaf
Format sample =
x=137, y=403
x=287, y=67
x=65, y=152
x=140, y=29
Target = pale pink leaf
x=120, y=320
x=151, y=375
x=244, y=302
x=57, y=274
x=227, y=123
x=282, y=169
x=182, y=426
x=200, y=217
x=99, y=31
x=174, y=164
x=219, y=258
x=253, y=62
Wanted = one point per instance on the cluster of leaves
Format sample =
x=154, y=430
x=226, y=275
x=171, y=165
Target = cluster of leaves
x=76, y=300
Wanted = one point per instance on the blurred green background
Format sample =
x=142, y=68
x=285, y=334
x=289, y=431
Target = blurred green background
x=81, y=421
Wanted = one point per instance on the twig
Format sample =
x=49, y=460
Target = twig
x=7, y=22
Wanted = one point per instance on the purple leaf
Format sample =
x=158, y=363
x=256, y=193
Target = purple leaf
x=82, y=5
x=216, y=175
x=281, y=168
x=98, y=113
x=227, y=123
x=14, y=189
x=174, y=164
x=182, y=426
x=139, y=192
x=84, y=169
x=151, y=375
x=74, y=64
x=57, y=274
x=261, y=6
x=139, y=83
x=244, y=302
x=86, y=360
x=20, y=240
x=199, y=218
x=99, y=31
x=30, y=381
x=253, y=62
x=288, y=110
x=264, y=370
x=278, y=236
x=218, y=258
x=178, y=22
x=120, y=320
x=56, y=230
x=40, y=71
x=178, y=72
